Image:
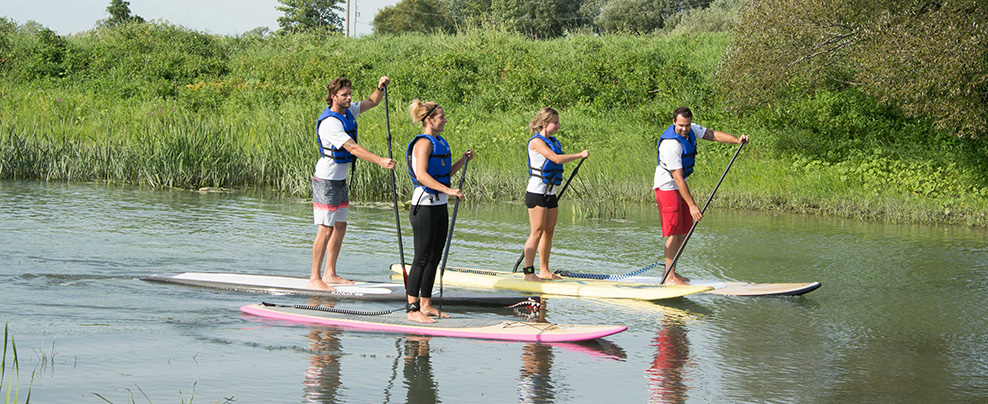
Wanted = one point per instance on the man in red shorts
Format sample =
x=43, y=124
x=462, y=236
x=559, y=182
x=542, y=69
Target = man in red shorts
x=676, y=153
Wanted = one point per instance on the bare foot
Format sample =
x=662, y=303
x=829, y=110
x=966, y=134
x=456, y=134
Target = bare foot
x=420, y=317
x=548, y=275
x=432, y=312
x=337, y=280
x=318, y=284
x=677, y=280
x=533, y=278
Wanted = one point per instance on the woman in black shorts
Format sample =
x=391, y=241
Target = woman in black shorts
x=545, y=171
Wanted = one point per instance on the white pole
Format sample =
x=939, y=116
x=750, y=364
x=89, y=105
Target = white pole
x=346, y=32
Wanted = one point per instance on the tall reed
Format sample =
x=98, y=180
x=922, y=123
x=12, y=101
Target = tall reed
x=12, y=385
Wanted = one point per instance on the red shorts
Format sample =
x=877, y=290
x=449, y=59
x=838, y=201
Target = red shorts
x=676, y=218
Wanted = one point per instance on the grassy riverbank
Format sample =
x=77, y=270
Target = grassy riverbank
x=166, y=107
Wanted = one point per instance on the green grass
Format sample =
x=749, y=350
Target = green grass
x=162, y=106
x=10, y=388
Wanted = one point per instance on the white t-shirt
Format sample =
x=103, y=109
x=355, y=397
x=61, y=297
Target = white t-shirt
x=671, y=155
x=331, y=134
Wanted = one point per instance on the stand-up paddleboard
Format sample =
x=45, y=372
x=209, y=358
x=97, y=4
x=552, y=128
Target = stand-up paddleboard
x=397, y=321
x=375, y=291
x=567, y=286
x=742, y=288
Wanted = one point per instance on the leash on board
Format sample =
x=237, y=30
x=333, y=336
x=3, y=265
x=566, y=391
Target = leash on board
x=334, y=310
x=605, y=277
x=449, y=237
x=560, y=195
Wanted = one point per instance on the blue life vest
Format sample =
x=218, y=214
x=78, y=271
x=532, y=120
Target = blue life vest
x=550, y=172
x=689, y=149
x=339, y=155
x=440, y=164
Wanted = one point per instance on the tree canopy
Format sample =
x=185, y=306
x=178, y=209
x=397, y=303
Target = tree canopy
x=927, y=58
x=425, y=16
x=309, y=15
x=536, y=18
x=640, y=16
x=120, y=13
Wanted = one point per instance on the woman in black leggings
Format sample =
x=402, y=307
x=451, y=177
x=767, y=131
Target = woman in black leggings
x=428, y=157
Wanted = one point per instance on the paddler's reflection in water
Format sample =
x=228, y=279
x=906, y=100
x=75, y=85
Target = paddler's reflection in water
x=419, y=383
x=535, y=384
x=322, y=377
x=666, y=381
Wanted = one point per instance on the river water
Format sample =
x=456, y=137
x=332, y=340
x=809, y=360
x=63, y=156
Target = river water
x=901, y=316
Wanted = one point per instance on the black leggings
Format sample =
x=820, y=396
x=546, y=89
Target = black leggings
x=429, y=228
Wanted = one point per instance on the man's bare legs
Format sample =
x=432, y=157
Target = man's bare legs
x=327, y=245
x=673, y=243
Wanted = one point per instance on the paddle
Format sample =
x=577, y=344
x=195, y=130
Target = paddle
x=394, y=189
x=449, y=237
x=682, y=247
x=560, y=195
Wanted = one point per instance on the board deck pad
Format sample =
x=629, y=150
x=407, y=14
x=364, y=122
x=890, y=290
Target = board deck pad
x=374, y=291
x=743, y=288
x=462, y=327
x=577, y=287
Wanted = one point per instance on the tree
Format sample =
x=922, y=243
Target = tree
x=640, y=16
x=468, y=12
x=720, y=16
x=259, y=32
x=120, y=13
x=537, y=18
x=310, y=15
x=425, y=16
x=927, y=58
x=589, y=11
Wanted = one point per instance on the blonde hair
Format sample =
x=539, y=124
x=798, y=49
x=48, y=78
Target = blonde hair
x=545, y=115
x=419, y=110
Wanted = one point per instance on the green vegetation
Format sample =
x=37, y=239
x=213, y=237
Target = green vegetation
x=928, y=59
x=407, y=16
x=546, y=19
x=159, y=105
x=120, y=14
x=310, y=16
x=10, y=388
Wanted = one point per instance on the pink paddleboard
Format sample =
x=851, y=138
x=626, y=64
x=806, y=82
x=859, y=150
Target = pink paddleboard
x=397, y=322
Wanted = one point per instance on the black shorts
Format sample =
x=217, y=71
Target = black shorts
x=546, y=201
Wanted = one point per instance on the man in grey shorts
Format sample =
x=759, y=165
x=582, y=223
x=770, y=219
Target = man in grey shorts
x=336, y=131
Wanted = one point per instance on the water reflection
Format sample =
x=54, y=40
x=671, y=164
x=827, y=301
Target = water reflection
x=666, y=380
x=535, y=384
x=420, y=385
x=323, y=377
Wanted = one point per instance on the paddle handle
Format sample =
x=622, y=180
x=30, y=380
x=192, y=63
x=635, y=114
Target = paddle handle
x=394, y=189
x=682, y=247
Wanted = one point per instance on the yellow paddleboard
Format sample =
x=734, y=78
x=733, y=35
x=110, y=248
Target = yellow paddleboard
x=566, y=287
